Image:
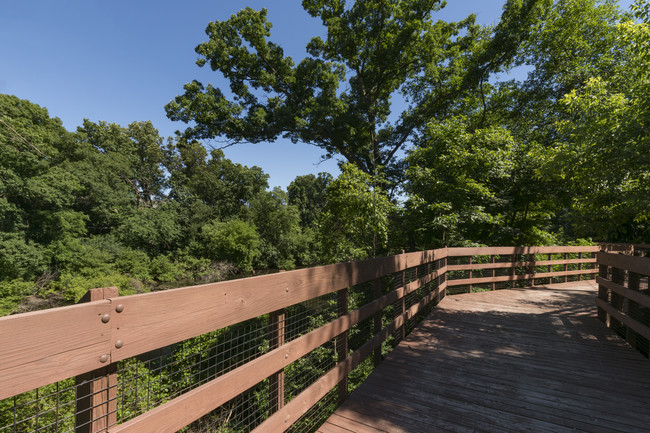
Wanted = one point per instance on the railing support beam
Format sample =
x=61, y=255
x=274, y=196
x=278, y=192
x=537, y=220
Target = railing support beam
x=342, y=343
x=96, y=391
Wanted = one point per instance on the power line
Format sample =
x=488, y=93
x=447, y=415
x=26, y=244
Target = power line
x=21, y=137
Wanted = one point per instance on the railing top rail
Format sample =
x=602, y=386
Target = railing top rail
x=52, y=345
x=486, y=251
x=639, y=265
x=46, y=346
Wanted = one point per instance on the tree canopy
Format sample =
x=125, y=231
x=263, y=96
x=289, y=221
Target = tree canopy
x=341, y=96
x=412, y=103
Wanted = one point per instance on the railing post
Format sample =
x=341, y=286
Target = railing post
x=276, y=380
x=603, y=271
x=566, y=267
x=494, y=272
x=513, y=272
x=377, y=292
x=96, y=391
x=633, y=310
x=342, y=343
x=470, y=273
x=441, y=263
x=617, y=301
x=549, y=256
x=580, y=266
x=531, y=268
x=402, y=329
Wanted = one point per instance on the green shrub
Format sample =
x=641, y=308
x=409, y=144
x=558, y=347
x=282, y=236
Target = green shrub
x=235, y=241
x=12, y=293
x=165, y=270
x=72, y=287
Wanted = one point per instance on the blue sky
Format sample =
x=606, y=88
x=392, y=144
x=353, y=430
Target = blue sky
x=122, y=61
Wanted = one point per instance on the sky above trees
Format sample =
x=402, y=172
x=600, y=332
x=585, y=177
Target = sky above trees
x=124, y=61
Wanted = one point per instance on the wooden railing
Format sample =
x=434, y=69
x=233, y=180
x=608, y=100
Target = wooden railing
x=624, y=298
x=642, y=250
x=498, y=267
x=366, y=307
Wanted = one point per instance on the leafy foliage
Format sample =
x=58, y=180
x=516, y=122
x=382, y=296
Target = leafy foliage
x=233, y=240
x=355, y=221
x=559, y=155
x=339, y=97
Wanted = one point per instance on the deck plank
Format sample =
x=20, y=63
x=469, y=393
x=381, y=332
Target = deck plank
x=533, y=359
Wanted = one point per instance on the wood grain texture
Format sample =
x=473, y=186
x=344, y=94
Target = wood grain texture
x=43, y=347
x=628, y=321
x=284, y=418
x=484, y=280
x=518, y=360
x=633, y=295
x=505, y=265
x=96, y=391
x=154, y=320
x=181, y=411
x=640, y=265
x=487, y=251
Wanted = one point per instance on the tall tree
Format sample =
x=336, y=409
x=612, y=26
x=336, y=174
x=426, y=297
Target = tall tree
x=340, y=96
x=355, y=221
x=603, y=150
x=580, y=114
x=307, y=193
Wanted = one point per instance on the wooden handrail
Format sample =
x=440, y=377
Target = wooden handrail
x=623, y=304
x=48, y=346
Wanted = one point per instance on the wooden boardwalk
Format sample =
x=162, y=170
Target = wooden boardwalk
x=534, y=360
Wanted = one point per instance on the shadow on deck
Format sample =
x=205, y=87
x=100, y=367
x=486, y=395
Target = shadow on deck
x=534, y=359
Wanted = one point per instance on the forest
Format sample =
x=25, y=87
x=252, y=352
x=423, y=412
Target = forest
x=438, y=145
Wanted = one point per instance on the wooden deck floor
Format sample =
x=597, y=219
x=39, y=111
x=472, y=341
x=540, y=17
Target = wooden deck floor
x=534, y=360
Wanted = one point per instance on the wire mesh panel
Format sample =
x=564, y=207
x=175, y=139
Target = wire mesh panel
x=623, y=298
x=316, y=416
x=123, y=391
x=241, y=414
x=47, y=409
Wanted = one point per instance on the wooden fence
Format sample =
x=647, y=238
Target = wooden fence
x=378, y=299
x=642, y=250
x=624, y=298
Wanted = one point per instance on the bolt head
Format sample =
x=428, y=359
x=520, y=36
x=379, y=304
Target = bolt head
x=119, y=308
x=103, y=359
x=119, y=344
x=106, y=318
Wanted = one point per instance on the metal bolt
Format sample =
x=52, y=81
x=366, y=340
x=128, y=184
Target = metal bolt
x=106, y=318
x=119, y=308
x=103, y=358
x=119, y=343
x=287, y=290
x=286, y=355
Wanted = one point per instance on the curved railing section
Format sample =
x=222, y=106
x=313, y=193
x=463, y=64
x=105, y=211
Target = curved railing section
x=624, y=297
x=270, y=353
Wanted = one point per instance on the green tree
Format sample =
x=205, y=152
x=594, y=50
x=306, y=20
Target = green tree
x=581, y=113
x=340, y=96
x=234, y=240
x=355, y=222
x=119, y=169
x=135, y=153
x=278, y=225
x=37, y=191
x=307, y=193
x=459, y=186
x=155, y=230
x=604, y=149
x=209, y=187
